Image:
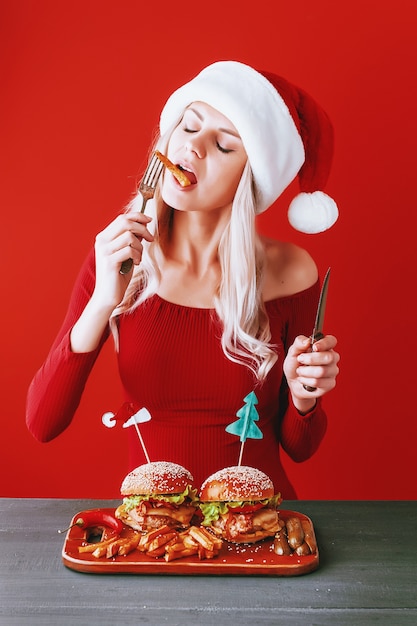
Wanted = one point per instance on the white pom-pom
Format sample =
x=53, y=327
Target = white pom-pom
x=312, y=213
x=109, y=420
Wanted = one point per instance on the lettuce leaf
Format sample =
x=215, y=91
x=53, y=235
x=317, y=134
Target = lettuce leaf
x=213, y=510
x=130, y=502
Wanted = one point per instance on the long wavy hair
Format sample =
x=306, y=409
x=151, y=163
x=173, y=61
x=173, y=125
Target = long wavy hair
x=238, y=303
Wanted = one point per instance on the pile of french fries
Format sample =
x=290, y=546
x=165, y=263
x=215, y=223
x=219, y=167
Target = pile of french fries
x=171, y=544
x=163, y=542
x=115, y=546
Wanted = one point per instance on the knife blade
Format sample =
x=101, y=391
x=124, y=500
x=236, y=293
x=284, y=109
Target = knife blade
x=319, y=321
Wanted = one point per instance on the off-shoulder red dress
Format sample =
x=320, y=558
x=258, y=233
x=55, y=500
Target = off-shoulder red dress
x=171, y=362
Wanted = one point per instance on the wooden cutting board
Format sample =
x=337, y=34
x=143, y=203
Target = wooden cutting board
x=234, y=559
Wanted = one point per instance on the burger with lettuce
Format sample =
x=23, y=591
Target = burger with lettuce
x=158, y=494
x=238, y=504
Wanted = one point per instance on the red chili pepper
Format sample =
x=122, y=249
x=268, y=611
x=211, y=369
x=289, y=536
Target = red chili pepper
x=96, y=517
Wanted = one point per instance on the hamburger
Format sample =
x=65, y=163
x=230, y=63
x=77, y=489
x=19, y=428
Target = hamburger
x=158, y=494
x=238, y=504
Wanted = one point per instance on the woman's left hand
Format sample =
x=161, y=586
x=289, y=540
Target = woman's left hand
x=313, y=366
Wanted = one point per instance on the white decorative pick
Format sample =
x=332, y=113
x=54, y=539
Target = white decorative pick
x=140, y=417
x=109, y=419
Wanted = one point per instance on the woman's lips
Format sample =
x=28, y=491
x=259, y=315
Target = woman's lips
x=188, y=173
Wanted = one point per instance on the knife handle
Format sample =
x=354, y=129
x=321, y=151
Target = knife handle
x=126, y=266
x=314, y=338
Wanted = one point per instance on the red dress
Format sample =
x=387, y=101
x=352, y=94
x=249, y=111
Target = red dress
x=171, y=362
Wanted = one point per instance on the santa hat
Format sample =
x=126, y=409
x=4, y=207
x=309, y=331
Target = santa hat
x=284, y=132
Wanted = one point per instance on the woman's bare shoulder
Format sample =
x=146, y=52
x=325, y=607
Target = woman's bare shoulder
x=288, y=269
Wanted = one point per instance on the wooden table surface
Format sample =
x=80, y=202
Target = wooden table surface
x=367, y=575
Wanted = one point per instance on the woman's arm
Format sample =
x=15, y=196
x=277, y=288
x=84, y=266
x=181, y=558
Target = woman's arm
x=120, y=240
x=301, y=435
x=56, y=389
x=303, y=422
x=300, y=432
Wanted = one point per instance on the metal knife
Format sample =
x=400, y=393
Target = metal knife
x=319, y=322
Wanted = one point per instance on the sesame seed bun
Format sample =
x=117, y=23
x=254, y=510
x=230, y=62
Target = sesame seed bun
x=158, y=477
x=236, y=483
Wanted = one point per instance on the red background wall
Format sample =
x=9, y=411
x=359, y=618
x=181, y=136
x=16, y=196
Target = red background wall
x=82, y=84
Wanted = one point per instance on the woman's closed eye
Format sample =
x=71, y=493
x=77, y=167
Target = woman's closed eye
x=225, y=150
x=218, y=145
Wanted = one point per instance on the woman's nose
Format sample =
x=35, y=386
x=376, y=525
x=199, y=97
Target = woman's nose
x=195, y=143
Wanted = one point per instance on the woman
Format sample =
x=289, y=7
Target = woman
x=211, y=311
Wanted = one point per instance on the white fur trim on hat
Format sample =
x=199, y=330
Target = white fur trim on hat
x=272, y=142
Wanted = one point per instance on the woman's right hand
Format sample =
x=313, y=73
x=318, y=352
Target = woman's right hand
x=119, y=241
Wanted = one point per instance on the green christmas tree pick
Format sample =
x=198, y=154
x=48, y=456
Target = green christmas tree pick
x=245, y=426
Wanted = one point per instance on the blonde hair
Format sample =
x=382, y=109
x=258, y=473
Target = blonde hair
x=239, y=304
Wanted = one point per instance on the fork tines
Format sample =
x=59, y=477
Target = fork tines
x=147, y=190
x=153, y=172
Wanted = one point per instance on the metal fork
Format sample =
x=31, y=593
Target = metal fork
x=147, y=189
